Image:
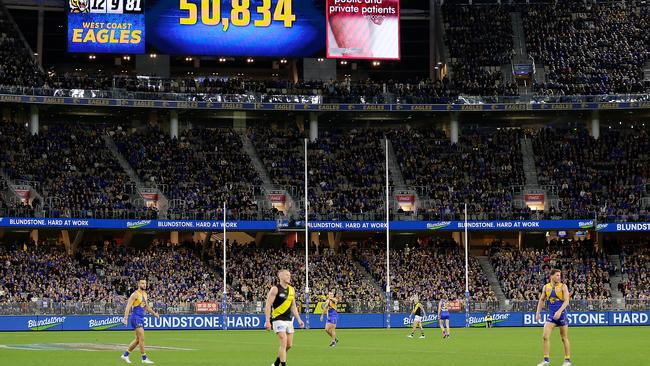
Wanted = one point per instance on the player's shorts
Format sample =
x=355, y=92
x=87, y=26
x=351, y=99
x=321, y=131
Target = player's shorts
x=444, y=316
x=137, y=322
x=283, y=326
x=562, y=322
x=417, y=318
x=332, y=319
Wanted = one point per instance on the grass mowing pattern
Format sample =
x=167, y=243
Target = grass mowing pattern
x=592, y=346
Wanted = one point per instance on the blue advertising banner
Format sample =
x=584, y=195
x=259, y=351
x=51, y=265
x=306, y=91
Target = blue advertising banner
x=174, y=225
x=594, y=319
x=102, y=26
x=408, y=226
x=623, y=227
x=256, y=321
x=445, y=225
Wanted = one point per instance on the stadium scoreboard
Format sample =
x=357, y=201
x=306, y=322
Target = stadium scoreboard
x=106, y=26
x=356, y=29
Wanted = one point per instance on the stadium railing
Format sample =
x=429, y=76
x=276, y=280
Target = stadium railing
x=382, y=98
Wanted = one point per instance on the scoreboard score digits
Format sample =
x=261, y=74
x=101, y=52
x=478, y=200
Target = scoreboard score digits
x=106, y=6
x=239, y=16
x=116, y=6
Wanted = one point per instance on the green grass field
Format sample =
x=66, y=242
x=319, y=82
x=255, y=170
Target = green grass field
x=467, y=347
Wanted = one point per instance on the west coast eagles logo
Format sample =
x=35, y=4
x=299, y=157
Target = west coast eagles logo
x=79, y=6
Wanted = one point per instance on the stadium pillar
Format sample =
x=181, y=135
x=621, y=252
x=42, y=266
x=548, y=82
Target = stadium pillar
x=313, y=127
x=239, y=120
x=595, y=125
x=173, y=124
x=173, y=237
x=453, y=128
x=33, y=120
x=65, y=238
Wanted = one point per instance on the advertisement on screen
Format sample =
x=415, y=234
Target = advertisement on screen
x=363, y=29
x=283, y=28
x=106, y=26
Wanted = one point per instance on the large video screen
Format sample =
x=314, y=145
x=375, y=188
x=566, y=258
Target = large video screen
x=237, y=27
x=106, y=26
x=363, y=29
x=276, y=28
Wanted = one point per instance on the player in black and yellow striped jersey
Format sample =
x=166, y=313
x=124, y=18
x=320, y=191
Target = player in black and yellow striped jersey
x=417, y=314
x=280, y=304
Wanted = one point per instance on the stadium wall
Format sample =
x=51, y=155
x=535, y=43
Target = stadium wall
x=256, y=321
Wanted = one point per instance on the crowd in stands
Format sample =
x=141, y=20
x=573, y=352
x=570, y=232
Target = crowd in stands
x=590, y=48
x=198, y=171
x=105, y=273
x=480, y=170
x=523, y=272
x=178, y=276
x=479, y=39
x=282, y=153
x=587, y=48
x=71, y=167
x=346, y=174
x=253, y=272
x=635, y=266
x=607, y=176
x=75, y=173
x=17, y=65
x=429, y=270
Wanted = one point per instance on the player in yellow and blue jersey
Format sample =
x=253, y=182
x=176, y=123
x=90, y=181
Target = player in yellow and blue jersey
x=443, y=316
x=136, y=307
x=556, y=294
x=330, y=309
x=418, y=313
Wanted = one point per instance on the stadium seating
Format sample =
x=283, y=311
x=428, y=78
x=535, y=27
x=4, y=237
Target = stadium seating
x=71, y=166
x=590, y=48
x=522, y=273
x=480, y=170
x=105, y=274
x=17, y=65
x=607, y=176
x=199, y=171
x=635, y=259
x=282, y=152
x=479, y=39
x=428, y=272
x=253, y=273
x=343, y=185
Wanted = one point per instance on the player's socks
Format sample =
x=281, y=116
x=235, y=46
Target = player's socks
x=283, y=363
x=277, y=362
x=547, y=359
x=126, y=354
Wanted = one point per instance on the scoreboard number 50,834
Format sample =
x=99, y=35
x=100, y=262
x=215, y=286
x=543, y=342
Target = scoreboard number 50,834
x=240, y=14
